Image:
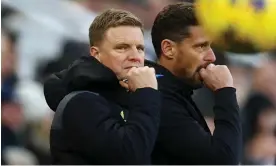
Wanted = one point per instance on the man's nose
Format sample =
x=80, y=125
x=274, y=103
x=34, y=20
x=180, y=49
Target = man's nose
x=135, y=59
x=210, y=56
x=135, y=56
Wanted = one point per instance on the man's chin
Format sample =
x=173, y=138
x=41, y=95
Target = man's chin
x=195, y=84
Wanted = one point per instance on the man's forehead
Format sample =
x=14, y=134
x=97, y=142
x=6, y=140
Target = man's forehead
x=198, y=35
x=131, y=35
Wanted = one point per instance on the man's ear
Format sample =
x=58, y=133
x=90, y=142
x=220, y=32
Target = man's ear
x=94, y=51
x=168, y=48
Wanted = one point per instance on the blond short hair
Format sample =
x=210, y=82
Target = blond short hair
x=109, y=19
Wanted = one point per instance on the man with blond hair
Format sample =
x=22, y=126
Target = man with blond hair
x=106, y=104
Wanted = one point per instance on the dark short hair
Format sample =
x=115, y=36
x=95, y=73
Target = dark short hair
x=108, y=19
x=172, y=23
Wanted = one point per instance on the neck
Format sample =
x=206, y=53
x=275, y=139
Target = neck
x=167, y=64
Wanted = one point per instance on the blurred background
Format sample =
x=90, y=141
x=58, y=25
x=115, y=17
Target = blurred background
x=39, y=37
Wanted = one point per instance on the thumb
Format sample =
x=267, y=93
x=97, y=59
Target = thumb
x=124, y=85
x=203, y=73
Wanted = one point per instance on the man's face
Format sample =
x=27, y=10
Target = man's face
x=121, y=49
x=192, y=54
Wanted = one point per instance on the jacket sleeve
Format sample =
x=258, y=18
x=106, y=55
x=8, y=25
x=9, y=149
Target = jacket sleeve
x=184, y=138
x=100, y=137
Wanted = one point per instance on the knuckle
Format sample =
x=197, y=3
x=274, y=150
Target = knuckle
x=152, y=70
x=142, y=69
x=129, y=74
x=136, y=71
x=210, y=66
x=224, y=67
x=147, y=69
x=131, y=70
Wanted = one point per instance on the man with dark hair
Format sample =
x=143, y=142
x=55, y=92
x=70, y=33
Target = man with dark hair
x=100, y=119
x=186, y=63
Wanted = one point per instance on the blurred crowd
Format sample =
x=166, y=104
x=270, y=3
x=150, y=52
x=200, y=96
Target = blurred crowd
x=42, y=37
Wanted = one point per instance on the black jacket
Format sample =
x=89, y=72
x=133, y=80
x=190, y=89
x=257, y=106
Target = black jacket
x=184, y=137
x=93, y=131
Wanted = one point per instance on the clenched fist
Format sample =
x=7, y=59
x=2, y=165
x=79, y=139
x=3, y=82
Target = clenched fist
x=216, y=77
x=141, y=77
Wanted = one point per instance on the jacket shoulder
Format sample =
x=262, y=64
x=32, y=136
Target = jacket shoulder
x=79, y=99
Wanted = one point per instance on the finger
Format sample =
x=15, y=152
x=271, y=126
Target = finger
x=210, y=66
x=124, y=84
x=202, y=73
x=152, y=70
x=132, y=70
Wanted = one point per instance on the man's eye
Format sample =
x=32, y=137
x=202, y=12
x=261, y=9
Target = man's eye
x=141, y=48
x=121, y=47
x=203, y=45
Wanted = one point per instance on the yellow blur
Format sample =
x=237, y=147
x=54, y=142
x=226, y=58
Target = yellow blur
x=249, y=24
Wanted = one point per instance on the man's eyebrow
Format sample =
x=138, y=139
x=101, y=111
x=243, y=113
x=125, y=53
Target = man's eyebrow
x=205, y=43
